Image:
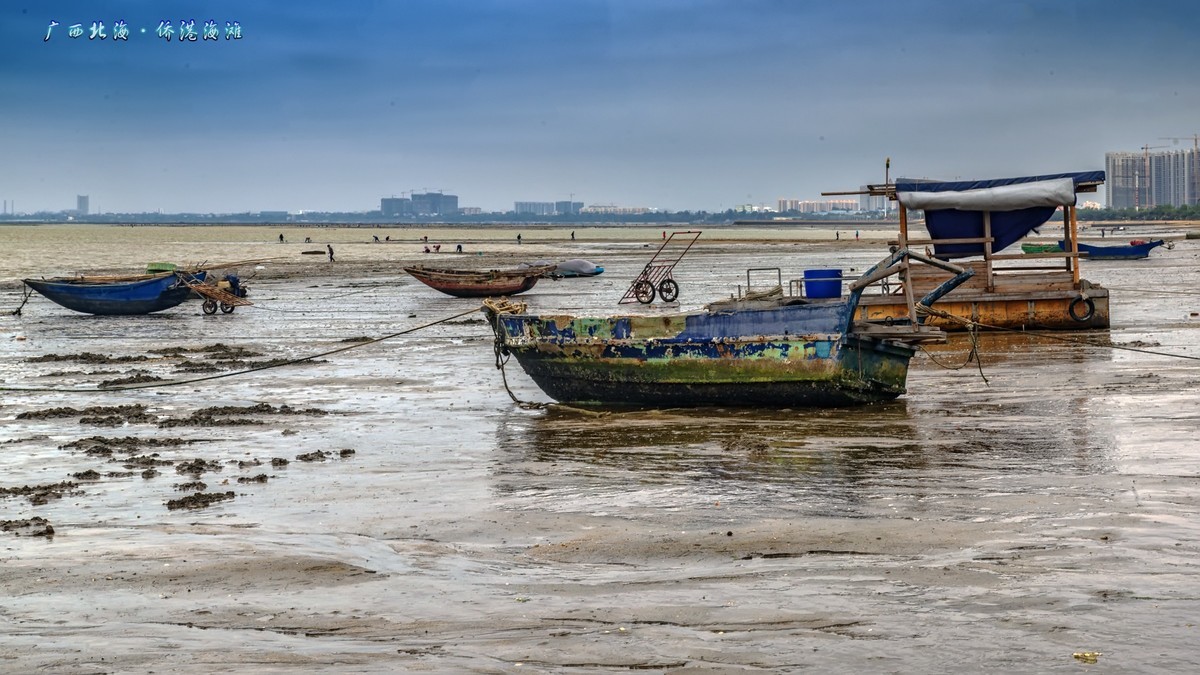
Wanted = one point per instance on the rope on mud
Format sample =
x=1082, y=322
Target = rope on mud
x=973, y=324
x=494, y=307
x=972, y=355
x=174, y=383
x=1157, y=291
x=25, y=291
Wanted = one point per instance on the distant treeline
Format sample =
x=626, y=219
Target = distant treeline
x=1188, y=212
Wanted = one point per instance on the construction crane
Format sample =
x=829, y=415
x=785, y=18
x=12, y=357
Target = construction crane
x=1145, y=172
x=1194, y=188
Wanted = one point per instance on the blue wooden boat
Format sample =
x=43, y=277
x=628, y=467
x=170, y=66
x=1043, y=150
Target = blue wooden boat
x=1128, y=251
x=777, y=352
x=132, y=295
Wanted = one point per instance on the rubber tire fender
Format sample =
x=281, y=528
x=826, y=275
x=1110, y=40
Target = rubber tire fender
x=1089, y=309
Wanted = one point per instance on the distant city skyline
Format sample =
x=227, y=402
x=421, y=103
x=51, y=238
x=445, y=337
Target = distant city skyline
x=655, y=104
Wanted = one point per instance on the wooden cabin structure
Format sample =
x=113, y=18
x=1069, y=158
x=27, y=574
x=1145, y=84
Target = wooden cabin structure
x=974, y=223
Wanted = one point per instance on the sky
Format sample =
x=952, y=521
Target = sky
x=669, y=104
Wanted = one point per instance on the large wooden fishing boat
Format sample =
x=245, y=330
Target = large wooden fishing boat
x=972, y=223
x=776, y=351
x=141, y=294
x=479, y=283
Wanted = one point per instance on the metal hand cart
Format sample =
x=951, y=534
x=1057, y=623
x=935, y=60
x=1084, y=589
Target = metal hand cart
x=656, y=276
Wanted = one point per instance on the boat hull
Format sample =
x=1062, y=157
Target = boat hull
x=1034, y=310
x=476, y=284
x=114, y=298
x=784, y=357
x=1123, y=252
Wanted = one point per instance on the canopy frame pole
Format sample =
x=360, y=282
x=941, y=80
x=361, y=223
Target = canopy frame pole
x=906, y=273
x=1069, y=214
x=987, y=251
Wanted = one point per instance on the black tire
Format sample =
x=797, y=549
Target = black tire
x=644, y=291
x=209, y=306
x=668, y=290
x=227, y=309
x=1089, y=309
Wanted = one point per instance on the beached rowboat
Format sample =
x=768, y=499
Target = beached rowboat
x=128, y=295
x=479, y=283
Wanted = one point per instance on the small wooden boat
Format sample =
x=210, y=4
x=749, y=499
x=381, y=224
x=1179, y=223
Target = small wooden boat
x=1040, y=248
x=1130, y=251
x=777, y=352
x=479, y=283
x=118, y=295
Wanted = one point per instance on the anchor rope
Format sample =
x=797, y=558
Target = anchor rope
x=175, y=383
x=929, y=311
x=494, y=307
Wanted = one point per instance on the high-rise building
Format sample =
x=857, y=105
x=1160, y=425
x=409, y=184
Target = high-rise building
x=391, y=207
x=535, y=208
x=434, y=204
x=567, y=208
x=1143, y=180
x=81, y=204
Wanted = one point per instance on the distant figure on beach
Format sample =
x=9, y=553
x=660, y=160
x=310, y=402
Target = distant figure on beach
x=387, y=238
x=376, y=238
x=308, y=240
x=427, y=249
x=281, y=237
x=458, y=249
x=572, y=236
x=330, y=247
x=437, y=248
x=518, y=238
x=837, y=235
x=1102, y=233
x=856, y=235
x=664, y=234
x=425, y=239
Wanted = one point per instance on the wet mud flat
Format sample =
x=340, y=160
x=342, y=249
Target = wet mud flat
x=388, y=508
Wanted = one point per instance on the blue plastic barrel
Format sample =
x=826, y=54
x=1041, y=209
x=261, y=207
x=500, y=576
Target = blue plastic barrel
x=822, y=283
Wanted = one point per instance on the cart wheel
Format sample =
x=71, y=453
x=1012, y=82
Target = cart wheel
x=644, y=291
x=668, y=290
x=226, y=309
x=209, y=306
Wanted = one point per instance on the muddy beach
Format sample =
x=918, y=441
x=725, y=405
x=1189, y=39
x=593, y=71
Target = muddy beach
x=388, y=508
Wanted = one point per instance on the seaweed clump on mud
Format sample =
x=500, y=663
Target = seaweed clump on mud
x=40, y=494
x=86, y=357
x=31, y=527
x=199, y=500
x=227, y=415
x=105, y=446
x=321, y=455
x=140, y=378
x=217, y=350
x=110, y=416
x=197, y=467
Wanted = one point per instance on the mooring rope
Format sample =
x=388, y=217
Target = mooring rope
x=922, y=309
x=494, y=308
x=25, y=291
x=175, y=383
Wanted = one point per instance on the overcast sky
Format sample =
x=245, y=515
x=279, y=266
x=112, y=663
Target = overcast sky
x=657, y=103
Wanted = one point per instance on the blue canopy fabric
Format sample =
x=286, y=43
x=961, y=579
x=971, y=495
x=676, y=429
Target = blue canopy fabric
x=1007, y=226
